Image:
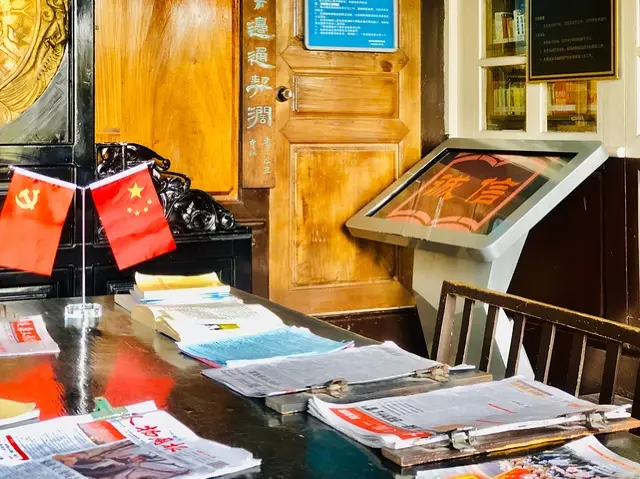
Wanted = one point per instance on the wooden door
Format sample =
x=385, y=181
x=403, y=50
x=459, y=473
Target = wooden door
x=351, y=128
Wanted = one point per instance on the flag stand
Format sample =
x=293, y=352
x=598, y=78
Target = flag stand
x=86, y=313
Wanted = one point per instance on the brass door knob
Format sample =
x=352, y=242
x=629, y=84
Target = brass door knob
x=284, y=94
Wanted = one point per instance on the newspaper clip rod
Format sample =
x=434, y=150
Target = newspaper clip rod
x=335, y=388
x=461, y=439
x=439, y=373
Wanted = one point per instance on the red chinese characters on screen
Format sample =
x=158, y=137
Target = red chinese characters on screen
x=465, y=193
x=153, y=432
x=25, y=331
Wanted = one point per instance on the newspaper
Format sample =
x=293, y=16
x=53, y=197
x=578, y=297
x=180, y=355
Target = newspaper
x=25, y=336
x=142, y=442
x=284, y=342
x=355, y=366
x=585, y=458
x=487, y=408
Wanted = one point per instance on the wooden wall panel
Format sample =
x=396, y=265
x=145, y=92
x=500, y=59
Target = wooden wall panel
x=330, y=186
x=167, y=77
x=350, y=95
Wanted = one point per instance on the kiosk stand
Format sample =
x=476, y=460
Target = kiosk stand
x=467, y=208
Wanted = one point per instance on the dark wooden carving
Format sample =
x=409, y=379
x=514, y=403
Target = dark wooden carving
x=188, y=211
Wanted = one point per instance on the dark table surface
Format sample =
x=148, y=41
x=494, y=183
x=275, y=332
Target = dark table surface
x=126, y=362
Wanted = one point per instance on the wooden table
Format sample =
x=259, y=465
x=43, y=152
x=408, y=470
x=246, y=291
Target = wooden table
x=127, y=363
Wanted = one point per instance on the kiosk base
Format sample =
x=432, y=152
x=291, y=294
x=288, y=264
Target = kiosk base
x=430, y=269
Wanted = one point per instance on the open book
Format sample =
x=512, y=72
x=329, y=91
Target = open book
x=161, y=287
x=12, y=412
x=141, y=442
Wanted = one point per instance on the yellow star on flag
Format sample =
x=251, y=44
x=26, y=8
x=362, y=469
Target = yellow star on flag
x=135, y=191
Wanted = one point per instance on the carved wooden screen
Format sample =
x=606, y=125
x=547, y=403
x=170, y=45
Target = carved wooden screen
x=350, y=129
x=46, y=87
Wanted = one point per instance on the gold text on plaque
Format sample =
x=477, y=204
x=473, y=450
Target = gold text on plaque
x=33, y=37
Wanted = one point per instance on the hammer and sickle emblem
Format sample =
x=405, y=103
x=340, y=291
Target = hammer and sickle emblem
x=27, y=199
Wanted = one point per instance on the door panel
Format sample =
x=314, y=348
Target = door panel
x=350, y=130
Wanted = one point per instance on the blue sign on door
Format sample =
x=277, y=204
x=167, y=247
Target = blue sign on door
x=351, y=25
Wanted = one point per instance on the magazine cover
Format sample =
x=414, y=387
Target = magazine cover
x=585, y=458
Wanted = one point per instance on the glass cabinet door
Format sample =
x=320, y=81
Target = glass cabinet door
x=505, y=27
x=572, y=106
x=506, y=98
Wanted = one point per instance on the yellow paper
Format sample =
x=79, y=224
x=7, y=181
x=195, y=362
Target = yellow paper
x=148, y=282
x=9, y=409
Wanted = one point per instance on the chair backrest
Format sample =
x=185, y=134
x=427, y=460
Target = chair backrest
x=582, y=326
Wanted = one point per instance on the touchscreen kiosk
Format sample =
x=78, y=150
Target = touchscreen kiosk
x=466, y=208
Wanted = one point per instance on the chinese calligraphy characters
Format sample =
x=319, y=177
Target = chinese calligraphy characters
x=258, y=84
x=259, y=57
x=491, y=189
x=258, y=93
x=259, y=28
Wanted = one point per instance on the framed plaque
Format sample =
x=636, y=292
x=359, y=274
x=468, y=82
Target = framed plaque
x=347, y=25
x=572, y=40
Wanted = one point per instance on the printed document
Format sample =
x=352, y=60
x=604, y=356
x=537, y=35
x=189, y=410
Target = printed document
x=585, y=458
x=25, y=336
x=354, y=365
x=488, y=408
x=143, y=442
x=280, y=343
x=197, y=324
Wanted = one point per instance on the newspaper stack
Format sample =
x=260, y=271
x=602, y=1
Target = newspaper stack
x=142, y=442
x=483, y=409
x=353, y=366
x=25, y=336
x=585, y=458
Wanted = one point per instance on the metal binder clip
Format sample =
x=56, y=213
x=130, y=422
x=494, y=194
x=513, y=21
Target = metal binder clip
x=596, y=420
x=438, y=373
x=461, y=439
x=334, y=388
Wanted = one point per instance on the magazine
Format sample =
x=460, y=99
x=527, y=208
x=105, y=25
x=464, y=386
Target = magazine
x=25, y=336
x=141, y=442
x=486, y=408
x=585, y=458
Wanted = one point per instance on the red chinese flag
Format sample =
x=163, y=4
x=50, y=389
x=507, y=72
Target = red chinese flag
x=31, y=221
x=132, y=216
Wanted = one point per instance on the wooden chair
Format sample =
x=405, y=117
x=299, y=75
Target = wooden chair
x=582, y=326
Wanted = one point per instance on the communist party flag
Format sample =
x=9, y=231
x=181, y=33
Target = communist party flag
x=31, y=221
x=132, y=216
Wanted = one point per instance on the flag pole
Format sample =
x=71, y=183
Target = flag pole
x=84, y=248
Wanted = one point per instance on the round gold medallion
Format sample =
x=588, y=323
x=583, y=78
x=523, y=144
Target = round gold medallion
x=33, y=38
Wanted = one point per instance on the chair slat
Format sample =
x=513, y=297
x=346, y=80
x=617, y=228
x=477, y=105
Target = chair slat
x=519, y=322
x=610, y=373
x=576, y=363
x=635, y=408
x=547, y=340
x=487, y=342
x=444, y=329
x=465, y=331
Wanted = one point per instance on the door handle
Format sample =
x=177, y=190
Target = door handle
x=284, y=94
